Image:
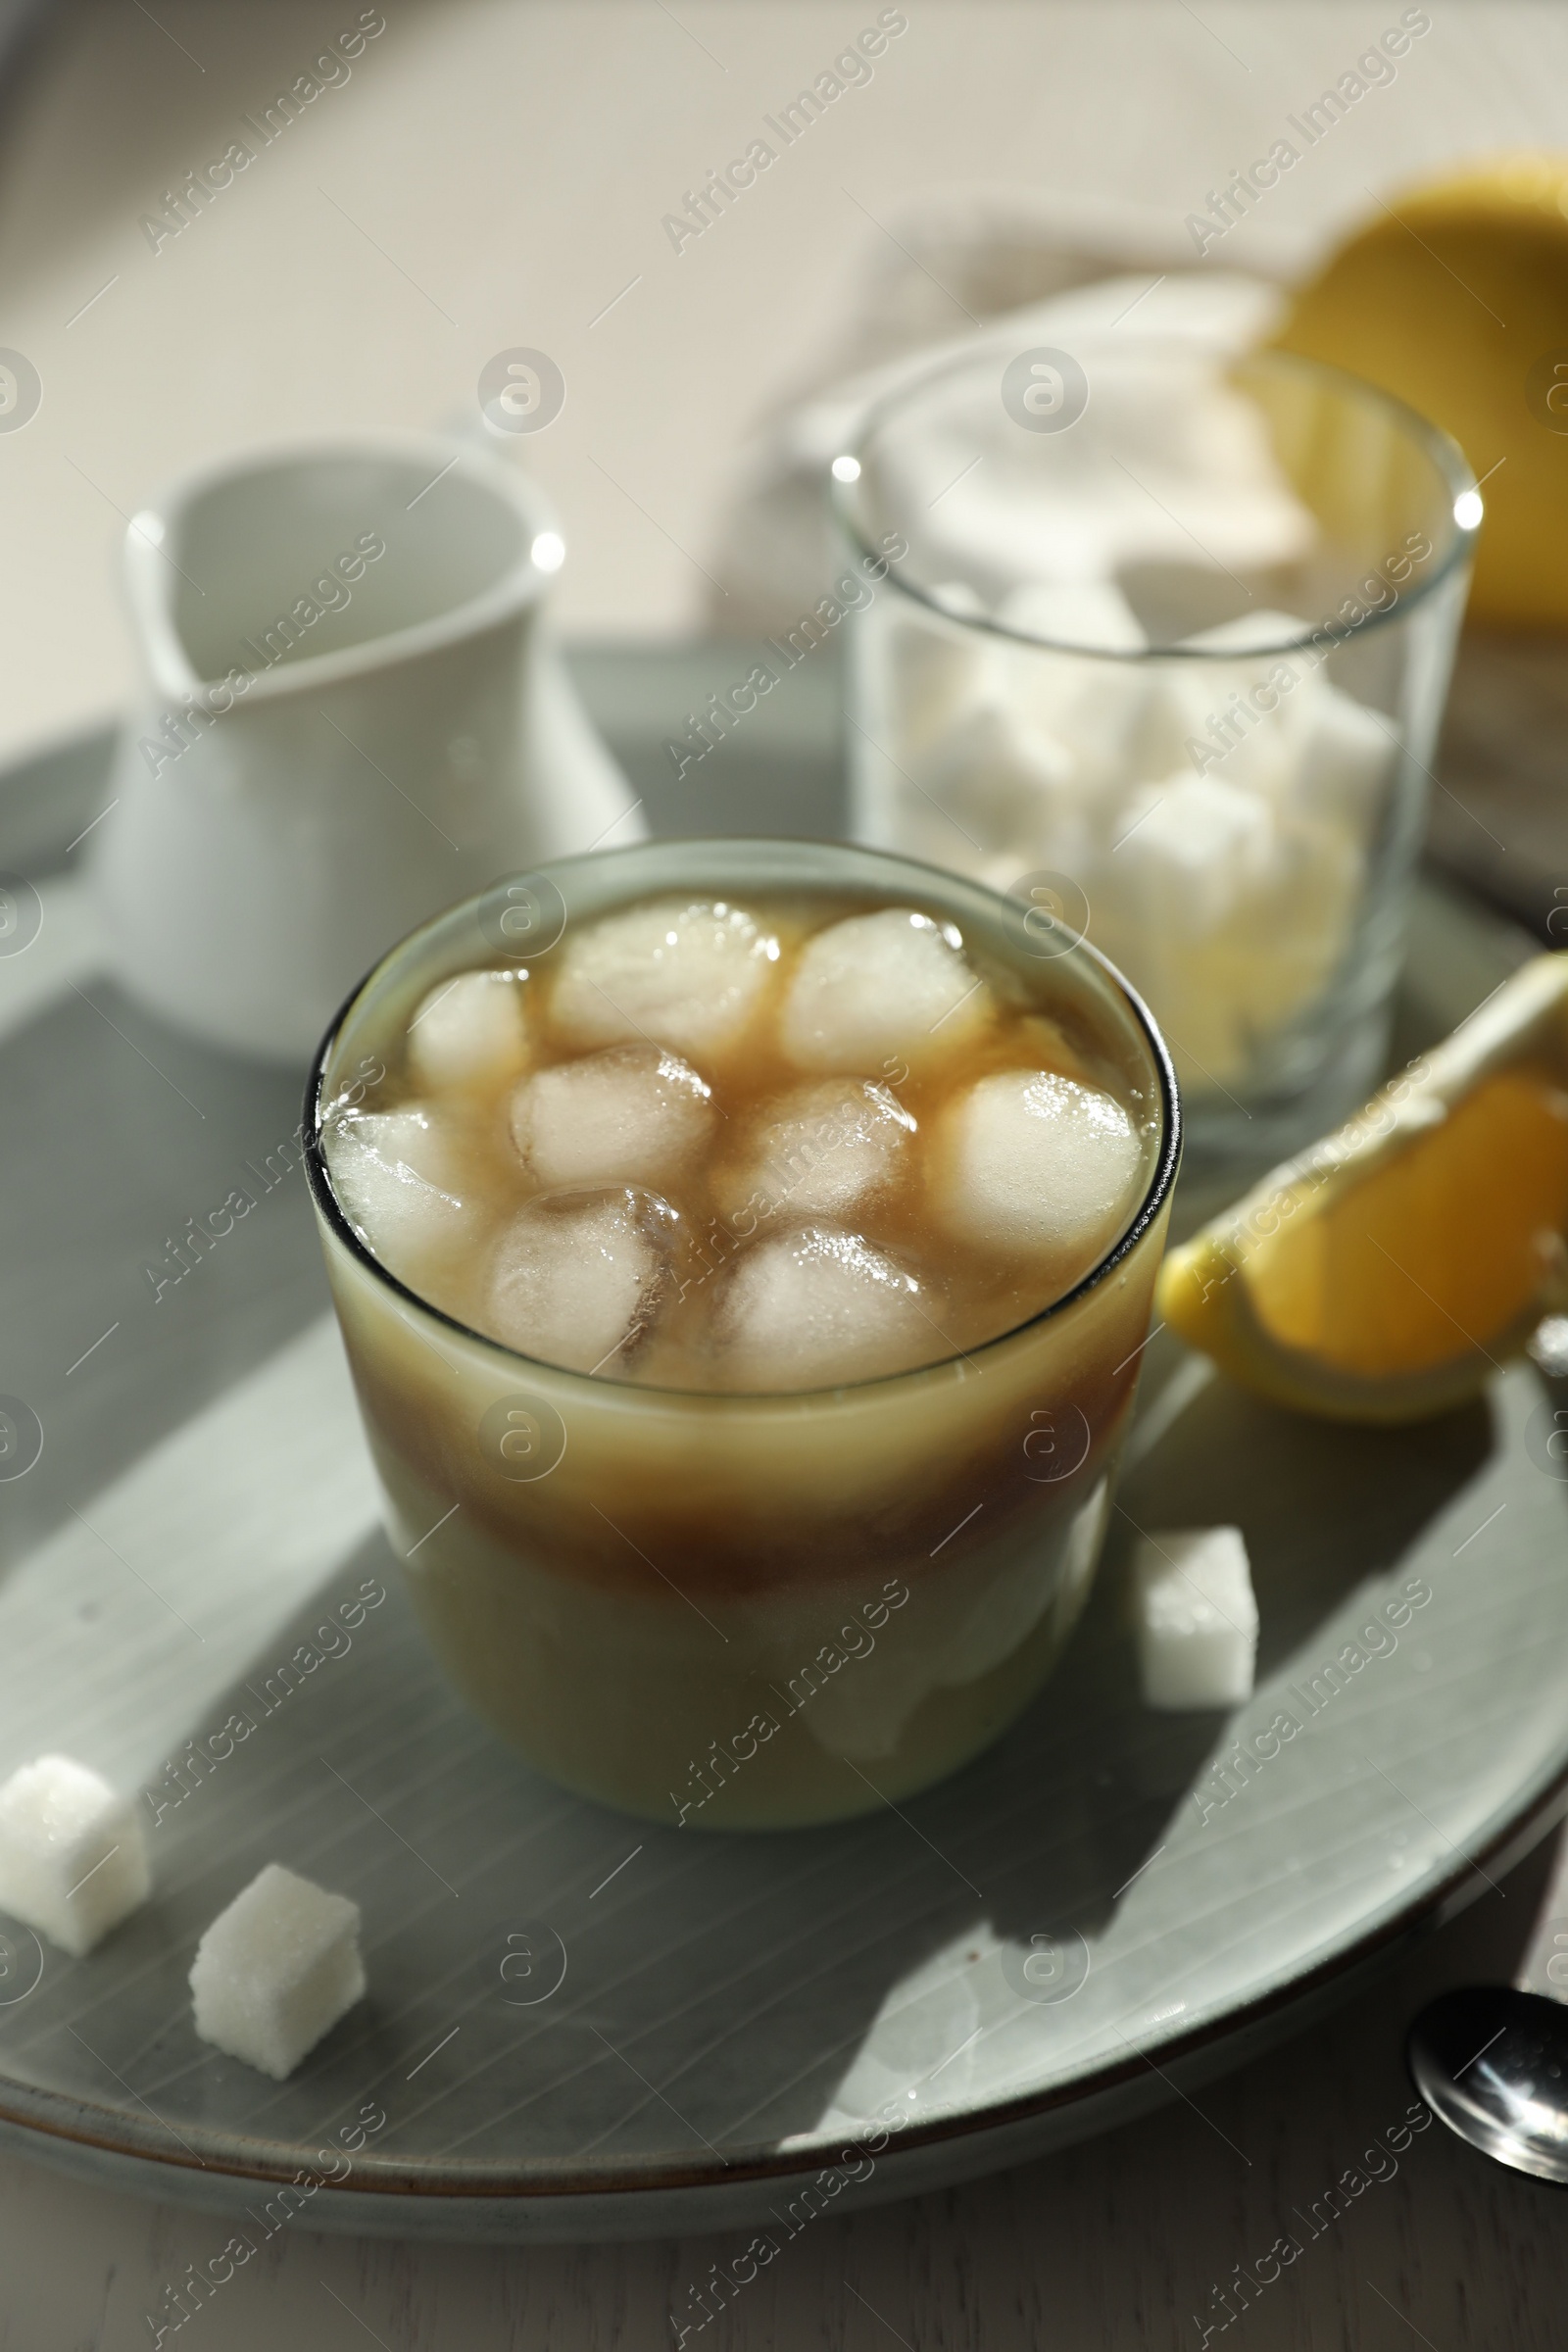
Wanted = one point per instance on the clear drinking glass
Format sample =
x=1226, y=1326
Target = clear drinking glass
x=1165, y=652
x=747, y=1610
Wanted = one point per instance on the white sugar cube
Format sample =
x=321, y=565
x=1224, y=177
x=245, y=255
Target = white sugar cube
x=633, y=1116
x=997, y=780
x=819, y=1306
x=470, y=1031
x=578, y=1279
x=880, y=988
x=687, y=976
x=934, y=672
x=1092, y=707
x=1243, y=722
x=1028, y=1161
x=1231, y=914
x=1087, y=613
x=277, y=1970
x=73, y=1854
x=817, y=1151
x=1192, y=850
x=1197, y=1618
x=1346, y=760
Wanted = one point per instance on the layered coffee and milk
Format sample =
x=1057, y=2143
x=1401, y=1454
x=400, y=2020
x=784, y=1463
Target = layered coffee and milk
x=744, y=1211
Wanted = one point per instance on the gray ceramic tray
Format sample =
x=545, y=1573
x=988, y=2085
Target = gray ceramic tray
x=583, y=2027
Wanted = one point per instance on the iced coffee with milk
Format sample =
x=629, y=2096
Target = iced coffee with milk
x=743, y=1257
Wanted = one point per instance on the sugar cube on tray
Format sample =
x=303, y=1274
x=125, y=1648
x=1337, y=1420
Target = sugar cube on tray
x=1197, y=1618
x=73, y=1853
x=277, y=1970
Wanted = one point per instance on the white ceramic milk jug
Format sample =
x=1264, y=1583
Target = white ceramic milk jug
x=352, y=720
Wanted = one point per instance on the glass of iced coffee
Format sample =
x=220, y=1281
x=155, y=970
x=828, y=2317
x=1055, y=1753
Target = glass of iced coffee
x=743, y=1252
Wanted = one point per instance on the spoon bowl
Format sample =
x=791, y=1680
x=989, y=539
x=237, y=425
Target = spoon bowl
x=1492, y=2062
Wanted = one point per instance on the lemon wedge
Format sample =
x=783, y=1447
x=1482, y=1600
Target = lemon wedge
x=1454, y=296
x=1385, y=1273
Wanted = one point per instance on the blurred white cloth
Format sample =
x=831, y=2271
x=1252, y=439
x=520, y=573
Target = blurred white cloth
x=1027, y=272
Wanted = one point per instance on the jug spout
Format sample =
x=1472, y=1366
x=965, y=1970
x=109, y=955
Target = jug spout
x=353, y=715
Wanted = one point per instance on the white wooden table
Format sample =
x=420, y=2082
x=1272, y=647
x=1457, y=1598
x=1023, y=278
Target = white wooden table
x=493, y=176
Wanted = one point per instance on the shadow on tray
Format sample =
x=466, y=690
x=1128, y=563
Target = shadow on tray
x=552, y=1979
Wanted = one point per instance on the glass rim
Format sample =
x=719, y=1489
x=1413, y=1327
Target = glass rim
x=1448, y=459
x=1155, y=1194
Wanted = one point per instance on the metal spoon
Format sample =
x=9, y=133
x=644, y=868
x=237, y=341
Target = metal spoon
x=1493, y=2063
x=1492, y=2060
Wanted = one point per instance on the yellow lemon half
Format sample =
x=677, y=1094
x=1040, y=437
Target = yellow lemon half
x=1454, y=296
x=1387, y=1271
